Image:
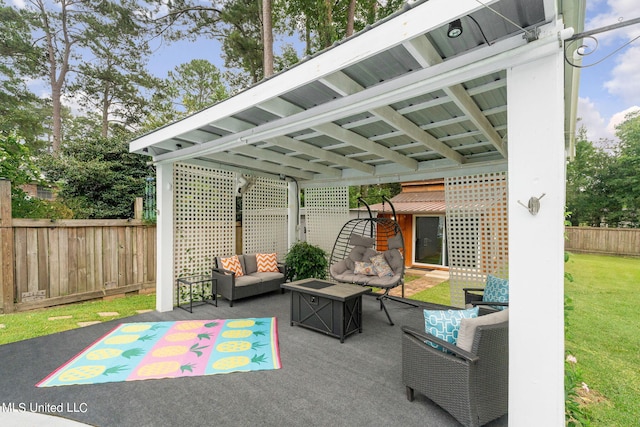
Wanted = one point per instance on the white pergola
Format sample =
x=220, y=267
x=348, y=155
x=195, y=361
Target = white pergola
x=401, y=101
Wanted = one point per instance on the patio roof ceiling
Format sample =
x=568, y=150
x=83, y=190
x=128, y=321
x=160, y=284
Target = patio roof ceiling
x=396, y=102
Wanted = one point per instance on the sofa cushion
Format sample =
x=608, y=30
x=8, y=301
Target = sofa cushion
x=358, y=240
x=381, y=266
x=267, y=263
x=232, y=263
x=445, y=324
x=468, y=327
x=365, y=268
x=250, y=264
x=247, y=280
x=267, y=276
x=496, y=290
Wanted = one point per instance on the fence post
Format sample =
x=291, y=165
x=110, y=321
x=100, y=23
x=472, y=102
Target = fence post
x=137, y=208
x=6, y=248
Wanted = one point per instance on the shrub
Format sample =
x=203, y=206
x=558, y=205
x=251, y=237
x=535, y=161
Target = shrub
x=305, y=261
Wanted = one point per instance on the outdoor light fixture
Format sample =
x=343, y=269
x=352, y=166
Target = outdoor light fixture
x=455, y=29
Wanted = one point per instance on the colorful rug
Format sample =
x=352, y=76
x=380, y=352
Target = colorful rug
x=142, y=351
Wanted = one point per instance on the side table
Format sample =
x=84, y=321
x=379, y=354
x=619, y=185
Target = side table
x=202, y=281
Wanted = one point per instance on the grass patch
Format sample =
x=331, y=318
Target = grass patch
x=603, y=336
x=36, y=323
x=439, y=294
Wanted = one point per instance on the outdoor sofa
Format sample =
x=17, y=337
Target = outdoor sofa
x=249, y=280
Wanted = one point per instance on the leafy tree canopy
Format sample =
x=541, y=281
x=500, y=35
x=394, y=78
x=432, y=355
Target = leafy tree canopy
x=98, y=177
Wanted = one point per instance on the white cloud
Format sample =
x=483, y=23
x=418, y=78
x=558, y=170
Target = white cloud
x=624, y=80
x=620, y=117
x=592, y=121
x=20, y=4
x=599, y=128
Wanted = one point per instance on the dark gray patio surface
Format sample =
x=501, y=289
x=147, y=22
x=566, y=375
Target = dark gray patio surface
x=321, y=383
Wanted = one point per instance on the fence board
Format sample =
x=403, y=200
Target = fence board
x=610, y=241
x=71, y=263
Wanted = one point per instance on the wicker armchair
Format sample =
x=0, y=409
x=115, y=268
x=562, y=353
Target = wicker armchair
x=474, y=297
x=471, y=385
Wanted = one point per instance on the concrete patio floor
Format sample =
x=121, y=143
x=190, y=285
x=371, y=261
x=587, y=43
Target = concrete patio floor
x=321, y=382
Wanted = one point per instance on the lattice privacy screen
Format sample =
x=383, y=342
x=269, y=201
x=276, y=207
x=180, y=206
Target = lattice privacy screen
x=327, y=210
x=204, y=217
x=477, y=231
x=264, y=217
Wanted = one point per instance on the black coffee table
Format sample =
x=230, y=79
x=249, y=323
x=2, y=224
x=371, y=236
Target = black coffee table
x=334, y=309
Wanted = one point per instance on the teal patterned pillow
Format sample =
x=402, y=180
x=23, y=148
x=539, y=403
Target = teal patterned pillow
x=445, y=324
x=496, y=290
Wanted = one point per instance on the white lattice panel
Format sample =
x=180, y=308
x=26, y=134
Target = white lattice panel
x=264, y=217
x=204, y=217
x=327, y=210
x=477, y=230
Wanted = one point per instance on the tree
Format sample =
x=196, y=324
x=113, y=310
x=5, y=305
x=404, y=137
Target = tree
x=21, y=112
x=587, y=183
x=624, y=174
x=68, y=27
x=196, y=85
x=17, y=165
x=267, y=37
x=98, y=177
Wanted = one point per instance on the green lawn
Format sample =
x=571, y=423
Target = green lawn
x=602, y=333
x=35, y=323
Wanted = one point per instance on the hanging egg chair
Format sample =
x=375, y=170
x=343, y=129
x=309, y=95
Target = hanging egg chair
x=369, y=252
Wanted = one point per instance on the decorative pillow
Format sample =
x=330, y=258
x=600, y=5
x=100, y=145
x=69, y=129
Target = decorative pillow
x=445, y=324
x=468, y=327
x=267, y=263
x=232, y=263
x=496, y=290
x=381, y=266
x=365, y=268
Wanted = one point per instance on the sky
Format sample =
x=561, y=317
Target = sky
x=608, y=90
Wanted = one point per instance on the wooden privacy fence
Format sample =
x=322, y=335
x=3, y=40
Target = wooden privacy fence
x=45, y=263
x=597, y=240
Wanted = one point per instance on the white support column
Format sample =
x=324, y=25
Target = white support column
x=164, y=237
x=536, y=245
x=293, y=213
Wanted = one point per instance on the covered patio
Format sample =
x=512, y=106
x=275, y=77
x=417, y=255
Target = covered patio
x=492, y=111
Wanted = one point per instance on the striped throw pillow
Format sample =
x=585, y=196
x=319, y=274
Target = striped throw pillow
x=267, y=263
x=232, y=263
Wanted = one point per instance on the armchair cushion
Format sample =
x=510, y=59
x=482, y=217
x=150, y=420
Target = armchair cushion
x=468, y=327
x=232, y=263
x=496, y=290
x=445, y=324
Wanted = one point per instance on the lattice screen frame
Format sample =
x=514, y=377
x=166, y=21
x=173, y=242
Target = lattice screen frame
x=327, y=210
x=265, y=217
x=477, y=231
x=204, y=218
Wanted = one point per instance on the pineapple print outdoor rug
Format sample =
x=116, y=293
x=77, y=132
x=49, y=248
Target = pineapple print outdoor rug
x=148, y=350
